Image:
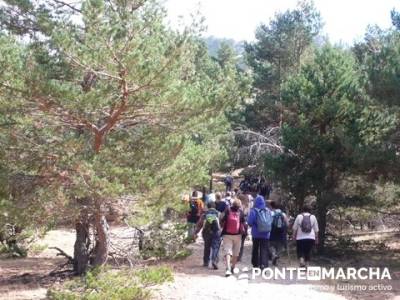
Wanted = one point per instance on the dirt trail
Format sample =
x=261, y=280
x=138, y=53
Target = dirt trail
x=28, y=278
x=192, y=281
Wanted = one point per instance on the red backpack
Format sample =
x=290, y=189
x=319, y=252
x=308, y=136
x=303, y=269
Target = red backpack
x=232, y=224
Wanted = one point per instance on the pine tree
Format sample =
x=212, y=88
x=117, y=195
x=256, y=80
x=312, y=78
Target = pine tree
x=108, y=102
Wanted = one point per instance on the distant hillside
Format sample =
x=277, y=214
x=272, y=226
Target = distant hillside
x=213, y=44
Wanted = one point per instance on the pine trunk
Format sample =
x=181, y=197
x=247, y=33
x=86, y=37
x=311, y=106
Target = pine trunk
x=102, y=240
x=321, y=211
x=81, y=247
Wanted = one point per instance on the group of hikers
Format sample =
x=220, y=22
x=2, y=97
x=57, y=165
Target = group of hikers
x=224, y=218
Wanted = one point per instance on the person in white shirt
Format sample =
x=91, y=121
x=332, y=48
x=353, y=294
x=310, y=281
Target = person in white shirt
x=305, y=232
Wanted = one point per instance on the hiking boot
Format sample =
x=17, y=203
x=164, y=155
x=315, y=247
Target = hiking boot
x=228, y=273
x=215, y=266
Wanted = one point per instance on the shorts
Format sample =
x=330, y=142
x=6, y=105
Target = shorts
x=231, y=244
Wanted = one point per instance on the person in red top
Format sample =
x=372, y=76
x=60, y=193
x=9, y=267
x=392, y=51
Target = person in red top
x=233, y=225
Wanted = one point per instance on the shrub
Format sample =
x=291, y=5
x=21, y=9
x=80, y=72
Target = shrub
x=165, y=241
x=36, y=249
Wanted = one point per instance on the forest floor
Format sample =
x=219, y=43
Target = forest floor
x=28, y=278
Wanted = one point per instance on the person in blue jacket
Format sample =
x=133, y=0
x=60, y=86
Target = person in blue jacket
x=259, y=255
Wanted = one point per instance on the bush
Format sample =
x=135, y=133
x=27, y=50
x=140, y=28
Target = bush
x=17, y=241
x=165, y=241
x=103, y=284
x=36, y=249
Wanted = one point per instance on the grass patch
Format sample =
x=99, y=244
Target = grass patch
x=106, y=284
x=155, y=275
x=183, y=254
x=36, y=249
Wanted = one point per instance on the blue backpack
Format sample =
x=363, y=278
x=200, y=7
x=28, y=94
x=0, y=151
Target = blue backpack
x=264, y=220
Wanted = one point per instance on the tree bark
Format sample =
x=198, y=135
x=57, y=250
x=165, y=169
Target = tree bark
x=82, y=243
x=321, y=215
x=98, y=141
x=102, y=240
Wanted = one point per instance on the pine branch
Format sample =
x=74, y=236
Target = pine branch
x=62, y=3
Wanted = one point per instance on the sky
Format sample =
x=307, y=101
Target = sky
x=344, y=20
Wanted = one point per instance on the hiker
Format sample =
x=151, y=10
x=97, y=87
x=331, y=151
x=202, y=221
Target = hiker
x=264, y=187
x=260, y=221
x=211, y=196
x=228, y=198
x=305, y=232
x=233, y=224
x=244, y=185
x=209, y=222
x=244, y=199
x=277, y=238
x=220, y=204
x=228, y=183
x=195, y=211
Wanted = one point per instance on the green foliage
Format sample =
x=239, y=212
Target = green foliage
x=395, y=16
x=214, y=44
x=164, y=241
x=278, y=52
x=152, y=276
x=326, y=127
x=331, y=128
x=16, y=240
x=36, y=249
x=378, y=56
x=103, y=284
x=113, y=105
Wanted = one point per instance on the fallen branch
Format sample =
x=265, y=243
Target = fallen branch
x=62, y=253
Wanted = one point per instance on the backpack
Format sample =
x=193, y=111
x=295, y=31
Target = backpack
x=211, y=225
x=232, y=223
x=278, y=223
x=194, y=211
x=305, y=225
x=228, y=180
x=264, y=220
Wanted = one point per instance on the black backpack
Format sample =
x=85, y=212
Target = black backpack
x=194, y=211
x=278, y=223
x=228, y=180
